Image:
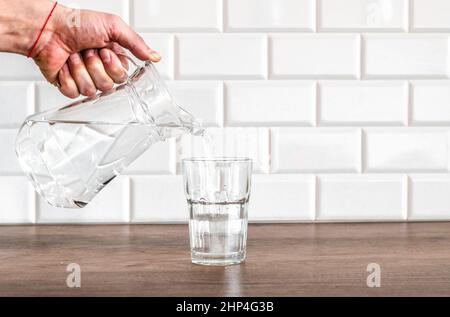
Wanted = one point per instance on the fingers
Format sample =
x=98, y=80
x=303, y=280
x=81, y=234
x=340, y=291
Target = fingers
x=96, y=70
x=120, y=52
x=121, y=33
x=91, y=70
x=113, y=66
x=68, y=87
x=81, y=75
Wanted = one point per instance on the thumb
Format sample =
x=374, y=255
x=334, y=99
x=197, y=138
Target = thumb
x=121, y=33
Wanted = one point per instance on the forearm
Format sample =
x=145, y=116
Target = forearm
x=20, y=23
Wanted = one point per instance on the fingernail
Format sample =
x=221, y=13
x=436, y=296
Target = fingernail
x=106, y=56
x=89, y=53
x=155, y=56
x=75, y=57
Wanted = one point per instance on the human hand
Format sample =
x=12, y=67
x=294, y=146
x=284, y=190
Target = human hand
x=83, y=59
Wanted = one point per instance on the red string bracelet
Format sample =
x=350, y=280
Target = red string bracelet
x=42, y=30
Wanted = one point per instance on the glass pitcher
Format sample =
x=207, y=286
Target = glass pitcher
x=71, y=153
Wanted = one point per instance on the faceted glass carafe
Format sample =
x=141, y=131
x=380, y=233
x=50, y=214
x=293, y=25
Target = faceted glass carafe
x=71, y=153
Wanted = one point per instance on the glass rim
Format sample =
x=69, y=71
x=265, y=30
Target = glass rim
x=224, y=159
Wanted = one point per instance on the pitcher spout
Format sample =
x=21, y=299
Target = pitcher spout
x=190, y=123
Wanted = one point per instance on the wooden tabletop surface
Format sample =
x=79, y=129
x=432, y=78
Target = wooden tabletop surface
x=282, y=260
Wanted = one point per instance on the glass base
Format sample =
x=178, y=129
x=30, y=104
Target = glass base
x=217, y=259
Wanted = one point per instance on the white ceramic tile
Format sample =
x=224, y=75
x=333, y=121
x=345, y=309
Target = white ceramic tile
x=362, y=197
x=16, y=102
x=282, y=197
x=257, y=103
x=315, y=56
x=17, y=200
x=178, y=15
x=118, y=7
x=429, y=197
x=18, y=67
x=230, y=142
x=203, y=99
x=363, y=15
x=316, y=150
x=164, y=45
x=430, y=103
x=225, y=56
x=158, y=199
x=8, y=160
x=160, y=158
x=110, y=205
x=406, y=56
x=430, y=15
x=48, y=97
x=405, y=149
x=363, y=103
x=269, y=15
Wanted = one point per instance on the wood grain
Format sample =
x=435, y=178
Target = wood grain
x=283, y=260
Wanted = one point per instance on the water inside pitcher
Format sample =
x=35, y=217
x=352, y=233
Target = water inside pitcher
x=71, y=153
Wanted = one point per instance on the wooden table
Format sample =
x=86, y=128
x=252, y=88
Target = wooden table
x=283, y=260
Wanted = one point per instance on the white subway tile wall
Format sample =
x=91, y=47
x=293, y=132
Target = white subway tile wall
x=405, y=56
x=164, y=45
x=283, y=197
x=269, y=15
x=177, y=15
x=406, y=149
x=221, y=56
x=316, y=150
x=430, y=15
x=429, y=199
x=158, y=198
x=363, y=15
x=362, y=197
x=344, y=105
x=202, y=99
x=315, y=56
x=17, y=101
x=270, y=103
x=430, y=103
x=17, y=199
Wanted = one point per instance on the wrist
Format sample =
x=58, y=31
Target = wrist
x=20, y=29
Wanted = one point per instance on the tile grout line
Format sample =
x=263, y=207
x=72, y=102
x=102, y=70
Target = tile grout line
x=34, y=107
x=130, y=200
x=176, y=59
x=268, y=57
x=37, y=209
x=317, y=8
x=35, y=198
x=409, y=105
x=318, y=106
x=408, y=199
x=363, y=151
x=130, y=7
x=362, y=58
x=409, y=16
x=317, y=197
x=224, y=15
x=224, y=104
x=269, y=132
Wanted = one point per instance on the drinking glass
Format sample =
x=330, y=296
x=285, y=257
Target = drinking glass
x=217, y=192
